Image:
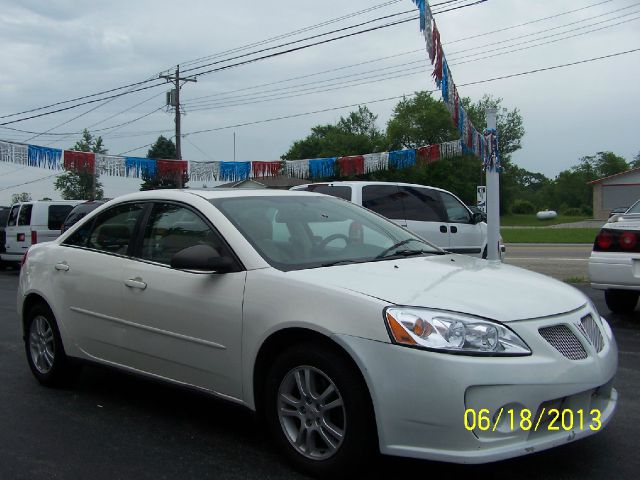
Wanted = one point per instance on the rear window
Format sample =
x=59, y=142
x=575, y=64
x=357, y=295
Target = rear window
x=335, y=191
x=13, y=216
x=57, y=214
x=4, y=216
x=24, y=218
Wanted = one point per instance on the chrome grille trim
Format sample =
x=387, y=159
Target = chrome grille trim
x=564, y=341
x=589, y=328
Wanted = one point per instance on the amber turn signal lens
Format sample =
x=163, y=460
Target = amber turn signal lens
x=400, y=335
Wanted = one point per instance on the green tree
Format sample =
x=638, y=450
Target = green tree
x=80, y=185
x=420, y=120
x=635, y=163
x=163, y=148
x=354, y=134
x=509, y=123
x=20, y=197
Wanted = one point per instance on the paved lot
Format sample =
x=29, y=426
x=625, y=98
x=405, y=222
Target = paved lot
x=561, y=261
x=117, y=426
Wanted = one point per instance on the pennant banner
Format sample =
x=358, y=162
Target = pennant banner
x=204, y=172
x=265, y=169
x=171, y=168
x=374, y=162
x=136, y=166
x=110, y=165
x=44, y=157
x=14, y=153
x=234, y=171
x=322, y=167
x=348, y=166
x=297, y=168
x=402, y=159
x=79, y=162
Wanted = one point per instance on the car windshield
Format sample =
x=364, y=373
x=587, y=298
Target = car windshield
x=304, y=231
x=635, y=208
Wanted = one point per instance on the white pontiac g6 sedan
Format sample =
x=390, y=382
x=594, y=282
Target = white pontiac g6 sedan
x=346, y=332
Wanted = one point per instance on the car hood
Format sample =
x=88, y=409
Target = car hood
x=453, y=282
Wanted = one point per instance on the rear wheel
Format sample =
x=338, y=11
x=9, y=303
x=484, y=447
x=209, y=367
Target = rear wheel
x=621, y=301
x=45, y=353
x=317, y=408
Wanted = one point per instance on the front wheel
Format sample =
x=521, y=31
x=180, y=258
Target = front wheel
x=45, y=353
x=621, y=301
x=318, y=411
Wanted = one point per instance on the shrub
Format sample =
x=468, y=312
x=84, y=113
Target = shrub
x=523, y=207
x=572, y=212
x=587, y=211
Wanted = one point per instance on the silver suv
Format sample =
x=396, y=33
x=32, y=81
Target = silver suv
x=433, y=213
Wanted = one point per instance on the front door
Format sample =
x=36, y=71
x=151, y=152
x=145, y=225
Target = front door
x=182, y=325
x=466, y=236
x=425, y=215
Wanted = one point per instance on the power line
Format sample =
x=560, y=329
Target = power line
x=236, y=64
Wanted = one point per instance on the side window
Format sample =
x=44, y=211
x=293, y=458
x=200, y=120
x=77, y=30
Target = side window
x=456, y=211
x=172, y=228
x=383, y=199
x=24, y=218
x=57, y=214
x=422, y=204
x=13, y=216
x=112, y=230
x=340, y=191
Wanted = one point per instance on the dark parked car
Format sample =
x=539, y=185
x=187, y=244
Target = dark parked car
x=80, y=211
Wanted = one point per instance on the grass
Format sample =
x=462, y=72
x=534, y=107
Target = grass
x=549, y=235
x=575, y=280
x=532, y=220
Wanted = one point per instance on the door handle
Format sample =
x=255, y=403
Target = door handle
x=61, y=267
x=135, y=283
x=454, y=229
x=443, y=228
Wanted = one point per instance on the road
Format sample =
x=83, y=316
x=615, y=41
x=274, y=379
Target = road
x=111, y=425
x=561, y=261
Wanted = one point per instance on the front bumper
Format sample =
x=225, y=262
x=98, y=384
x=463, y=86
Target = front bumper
x=614, y=270
x=11, y=257
x=420, y=397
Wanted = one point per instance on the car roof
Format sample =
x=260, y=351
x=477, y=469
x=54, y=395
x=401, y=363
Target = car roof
x=353, y=183
x=186, y=194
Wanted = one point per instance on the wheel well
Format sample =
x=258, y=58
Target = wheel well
x=280, y=341
x=29, y=302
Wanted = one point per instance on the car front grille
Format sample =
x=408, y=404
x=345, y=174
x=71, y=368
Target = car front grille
x=563, y=340
x=591, y=331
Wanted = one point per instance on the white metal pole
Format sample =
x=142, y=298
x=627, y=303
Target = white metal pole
x=493, y=198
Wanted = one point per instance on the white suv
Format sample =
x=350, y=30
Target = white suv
x=435, y=214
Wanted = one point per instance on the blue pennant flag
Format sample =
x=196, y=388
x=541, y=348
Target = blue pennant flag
x=44, y=157
x=402, y=158
x=322, y=167
x=135, y=166
x=234, y=171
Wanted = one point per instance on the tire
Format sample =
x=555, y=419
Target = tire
x=309, y=434
x=485, y=253
x=621, y=301
x=45, y=352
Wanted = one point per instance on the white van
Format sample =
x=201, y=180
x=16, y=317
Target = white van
x=435, y=214
x=34, y=222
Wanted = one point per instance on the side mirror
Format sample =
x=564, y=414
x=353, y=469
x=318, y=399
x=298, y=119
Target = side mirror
x=202, y=259
x=478, y=217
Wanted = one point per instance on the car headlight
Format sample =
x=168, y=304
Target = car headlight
x=451, y=332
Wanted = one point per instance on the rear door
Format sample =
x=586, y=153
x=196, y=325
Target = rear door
x=19, y=229
x=466, y=236
x=425, y=215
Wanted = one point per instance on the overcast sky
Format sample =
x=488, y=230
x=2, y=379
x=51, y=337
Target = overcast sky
x=54, y=51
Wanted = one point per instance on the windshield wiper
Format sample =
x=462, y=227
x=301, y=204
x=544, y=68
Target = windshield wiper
x=394, y=249
x=338, y=262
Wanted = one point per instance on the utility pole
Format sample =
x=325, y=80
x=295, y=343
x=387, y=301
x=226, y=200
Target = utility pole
x=175, y=79
x=493, y=192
